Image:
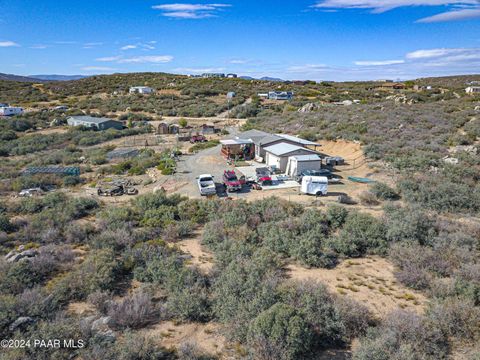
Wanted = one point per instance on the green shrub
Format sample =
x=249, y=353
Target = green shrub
x=280, y=333
x=383, y=192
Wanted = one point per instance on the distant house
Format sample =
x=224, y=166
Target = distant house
x=232, y=76
x=231, y=94
x=277, y=155
x=280, y=95
x=473, y=90
x=10, y=110
x=94, y=122
x=213, y=75
x=263, y=95
x=391, y=86
x=141, y=90
x=421, y=87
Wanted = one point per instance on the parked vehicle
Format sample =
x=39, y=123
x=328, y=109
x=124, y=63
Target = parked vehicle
x=334, y=160
x=322, y=172
x=231, y=181
x=30, y=192
x=198, y=138
x=206, y=185
x=314, y=185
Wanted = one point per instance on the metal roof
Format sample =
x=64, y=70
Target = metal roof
x=236, y=141
x=58, y=170
x=254, y=135
x=91, y=119
x=312, y=157
x=297, y=139
x=285, y=148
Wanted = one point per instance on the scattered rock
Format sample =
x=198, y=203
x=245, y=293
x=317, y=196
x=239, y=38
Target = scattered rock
x=450, y=160
x=101, y=324
x=20, y=322
x=15, y=258
x=307, y=108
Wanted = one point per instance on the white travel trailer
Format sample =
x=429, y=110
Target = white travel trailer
x=314, y=185
x=10, y=111
x=141, y=90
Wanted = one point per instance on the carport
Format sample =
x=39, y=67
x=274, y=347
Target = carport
x=238, y=149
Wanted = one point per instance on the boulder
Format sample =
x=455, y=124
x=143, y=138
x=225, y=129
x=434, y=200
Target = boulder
x=15, y=258
x=10, y=254
x=29, y=253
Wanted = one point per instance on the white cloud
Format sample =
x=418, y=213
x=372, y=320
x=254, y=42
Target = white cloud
x=190, y=11
x=434, y=53
x=307, y=68
x=385, y=5
x=379, y=63
x=238, y=61
x=199, y=70
x=92, y=45
x=128, y=47
x=455, y=15
x=97, y=68
x=39, y=46
x=8, y=44
x=157, y=59
x=109, y=58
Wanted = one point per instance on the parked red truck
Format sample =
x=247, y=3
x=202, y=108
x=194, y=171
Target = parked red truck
x=197, y=138
x=231, y=182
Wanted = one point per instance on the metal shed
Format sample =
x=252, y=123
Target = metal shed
x=298, y=163
x=55, y=170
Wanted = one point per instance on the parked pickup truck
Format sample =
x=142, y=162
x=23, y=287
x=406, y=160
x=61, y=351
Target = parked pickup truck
x=231, y=181
x=206, y=185
x=197, y=138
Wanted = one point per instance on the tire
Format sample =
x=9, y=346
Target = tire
x=319, y=193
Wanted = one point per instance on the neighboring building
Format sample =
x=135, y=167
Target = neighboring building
x=421, y=87
x=231, y=94
x=94, y=122
x=162, y=128
x=207, y=129
x=54, y=170
x=232, y=76
x=473, y=90
x=391, y=86
x=213, y=75
x=4, y=105
x=10, y=110
x=141, y=90
x=280, y=95
x=263, y=95
x=277, y=155
x=238, y=149
x=298, y=163
x=122, y=154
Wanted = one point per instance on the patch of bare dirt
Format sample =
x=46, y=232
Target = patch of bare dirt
x=367, y=280
x=80, y=309
x=200, y=258
x=208, y=337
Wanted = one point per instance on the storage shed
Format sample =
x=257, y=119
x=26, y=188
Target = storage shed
x=298, y=163
x=277, y=155
x=162, y=128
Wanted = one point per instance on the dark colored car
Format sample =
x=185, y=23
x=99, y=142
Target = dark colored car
x=322, y=172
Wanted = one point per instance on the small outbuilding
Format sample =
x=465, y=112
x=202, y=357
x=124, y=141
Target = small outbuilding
x=231, y=94
x=298, y=163
x=238, y=149
x=10, y=110
x=162, y=128
x=277, y=155
x=53, y=170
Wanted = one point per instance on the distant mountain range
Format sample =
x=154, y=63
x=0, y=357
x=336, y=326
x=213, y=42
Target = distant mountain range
x=58, y=77
x=40, y=78
x=12, y=77
x=265, y=78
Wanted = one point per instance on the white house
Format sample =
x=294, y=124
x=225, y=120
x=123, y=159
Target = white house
x=141, y=90
x=473, y=90
x=277, y=155
x=10, y=111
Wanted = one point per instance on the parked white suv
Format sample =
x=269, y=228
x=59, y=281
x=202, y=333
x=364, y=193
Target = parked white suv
x=206, y=185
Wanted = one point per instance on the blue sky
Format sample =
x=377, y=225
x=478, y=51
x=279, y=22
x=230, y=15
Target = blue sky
x=303, y=39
